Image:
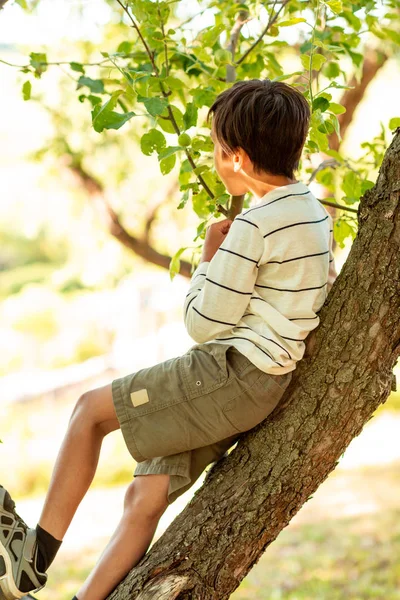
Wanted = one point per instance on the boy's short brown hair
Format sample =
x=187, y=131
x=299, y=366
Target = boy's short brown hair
x=268, y=119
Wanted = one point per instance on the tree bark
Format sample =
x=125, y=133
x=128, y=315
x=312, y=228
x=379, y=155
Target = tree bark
x=250, y=495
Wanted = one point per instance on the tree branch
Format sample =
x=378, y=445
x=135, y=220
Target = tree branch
x=242, y=18
x=374, y=60
x=272, y=19
x=152, y=211
x=139, y=246
x=220, y=208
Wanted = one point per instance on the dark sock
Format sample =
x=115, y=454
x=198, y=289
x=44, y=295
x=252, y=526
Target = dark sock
x=47, y=548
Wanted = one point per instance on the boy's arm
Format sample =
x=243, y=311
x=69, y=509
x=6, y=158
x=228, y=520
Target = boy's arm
x=220, y=289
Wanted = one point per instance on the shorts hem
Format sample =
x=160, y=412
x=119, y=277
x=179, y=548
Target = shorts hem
x=167, y=469
x=120, y=409
x=180, y=479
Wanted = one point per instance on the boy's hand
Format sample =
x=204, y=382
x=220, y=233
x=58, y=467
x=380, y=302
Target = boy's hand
x=215, y=235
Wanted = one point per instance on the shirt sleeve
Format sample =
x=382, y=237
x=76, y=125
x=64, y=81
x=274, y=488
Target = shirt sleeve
x=220, y=290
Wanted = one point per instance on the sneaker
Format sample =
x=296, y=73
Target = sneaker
x=18, y=553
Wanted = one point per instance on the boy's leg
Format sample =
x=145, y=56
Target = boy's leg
x=92, y=418
x=145, y=501
x=26, y=553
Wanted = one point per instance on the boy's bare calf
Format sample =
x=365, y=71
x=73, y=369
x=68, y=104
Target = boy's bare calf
x=94, y=417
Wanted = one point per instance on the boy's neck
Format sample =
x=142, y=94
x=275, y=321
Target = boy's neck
x=259, y=187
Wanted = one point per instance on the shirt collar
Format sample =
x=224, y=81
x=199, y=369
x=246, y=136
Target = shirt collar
x=292, y=189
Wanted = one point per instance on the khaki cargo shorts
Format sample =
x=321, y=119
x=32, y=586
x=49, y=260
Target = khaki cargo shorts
x=183, y=414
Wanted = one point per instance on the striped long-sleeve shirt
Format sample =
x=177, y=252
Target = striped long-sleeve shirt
x=262, y=290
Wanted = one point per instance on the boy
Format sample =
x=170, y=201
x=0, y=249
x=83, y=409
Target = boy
x=253, y=299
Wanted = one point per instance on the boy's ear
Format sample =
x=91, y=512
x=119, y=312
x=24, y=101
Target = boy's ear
x=239, y=159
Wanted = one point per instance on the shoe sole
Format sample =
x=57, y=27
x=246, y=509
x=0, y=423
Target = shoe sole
x=8, y=589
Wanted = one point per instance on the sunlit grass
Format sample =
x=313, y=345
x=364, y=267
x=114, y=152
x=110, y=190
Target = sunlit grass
x=355, y=558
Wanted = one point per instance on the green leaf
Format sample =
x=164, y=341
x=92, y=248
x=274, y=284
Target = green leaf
x=77, y=67
x=175, y=264
x=334, y=154
x=305, y=61
x=103, y=117
x=320, y=103
x=190, y=116
x=95, y=85
x=26, y=90
x=185, y=198
x=202, y=143
x=125, y=47
x=167, y=164
x=169, y=151
x=334, y=121
x=326, y=127
x=392, y=35
x=336, y=6
x=203, y=96
x=210, y=36
x=38, y=62
x=337, y=109
x=152, y=140
x=166, y=124
x=366, y=185
x=331, y=70
x=200, y=205
x=351, y=185
x=203, y=225
x=201, y=169
x=106, y=107
x=342, y=230
x=94, y=100
x=154, y=106
x=284, y=77
x=316, y=136
x=222, y=56
x=317, y=61
x=291, y=22
x=356, y=57
x=160, y=58
x=352, y=19
x=112, y=120
x=174, y=83
x=394, y=123
x=341, y=87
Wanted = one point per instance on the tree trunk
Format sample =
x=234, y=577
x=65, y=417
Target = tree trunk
x=250, y=495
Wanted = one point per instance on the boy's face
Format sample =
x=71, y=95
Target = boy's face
x=230, y=168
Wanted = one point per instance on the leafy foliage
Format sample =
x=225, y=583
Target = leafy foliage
x=167, y=72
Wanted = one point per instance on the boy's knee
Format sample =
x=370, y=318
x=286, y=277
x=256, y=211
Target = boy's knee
x=96, y=408
x=147, y=495
x=83, y=410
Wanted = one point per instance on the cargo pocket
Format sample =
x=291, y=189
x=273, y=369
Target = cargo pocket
x=203, y=369
x=256, y=401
